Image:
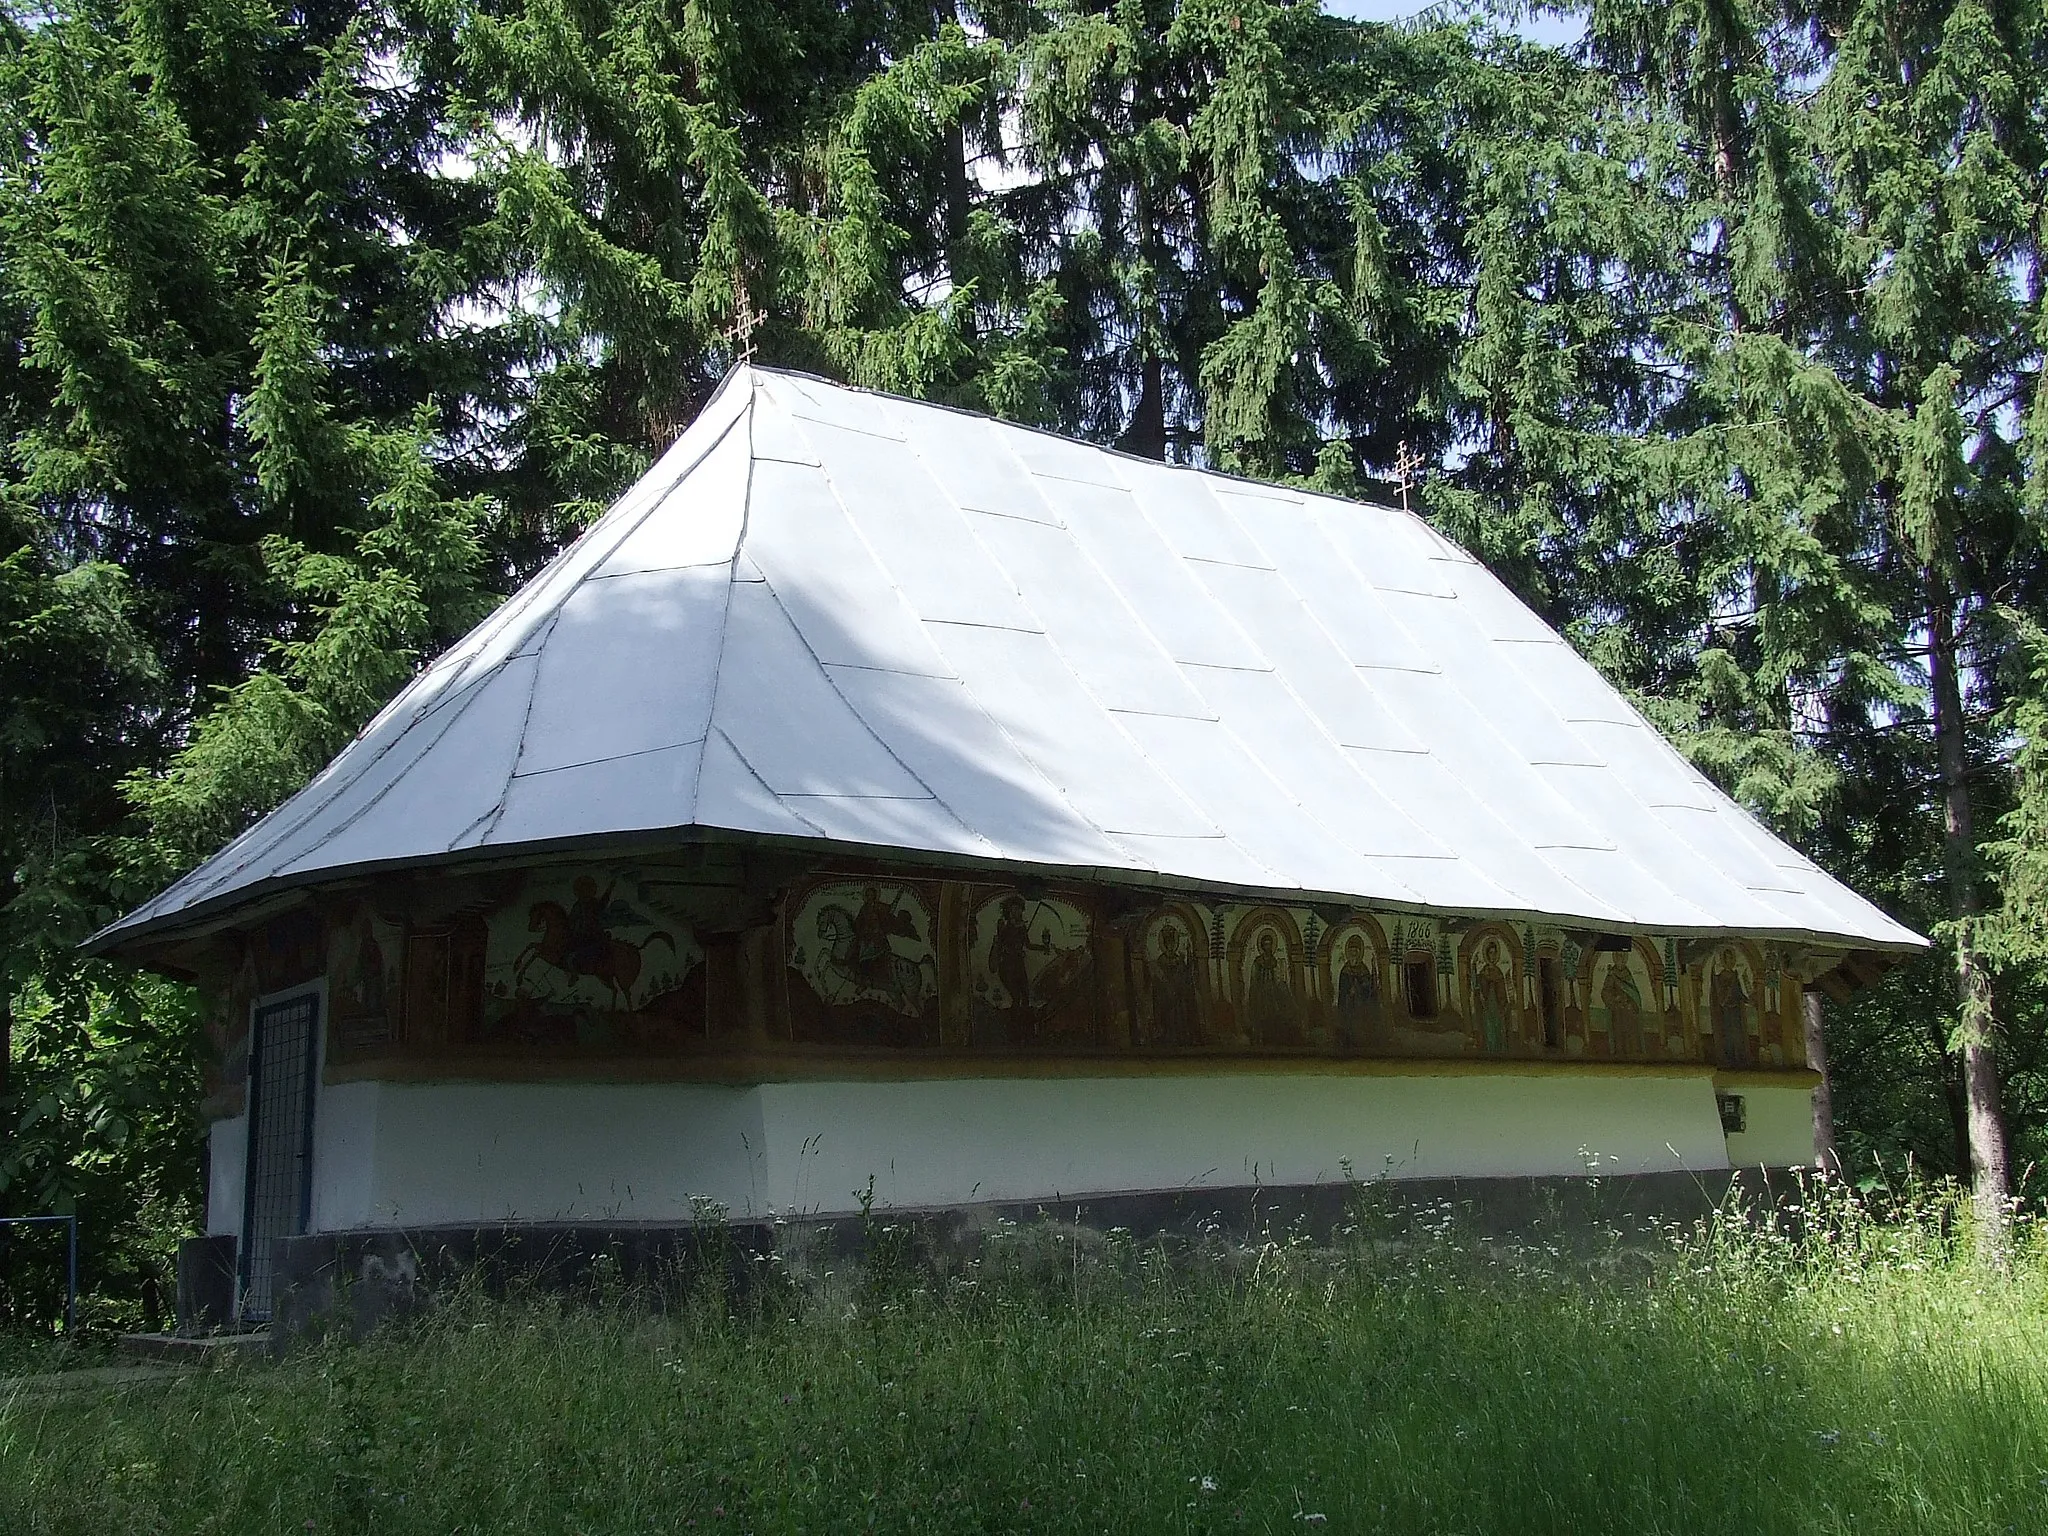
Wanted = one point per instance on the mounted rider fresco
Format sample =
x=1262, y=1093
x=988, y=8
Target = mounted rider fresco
x=589, y=935
x=874, y=963
x=589, y=956
x=868, y=973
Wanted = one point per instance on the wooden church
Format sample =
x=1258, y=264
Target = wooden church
x=880, y=792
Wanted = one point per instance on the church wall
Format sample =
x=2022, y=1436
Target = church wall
x=452, y=1154
x=963, y=1140
x=1778, y=1125
x=539, y=1029
x=345, y=1129
x=227, y=1164
x=446, y=1153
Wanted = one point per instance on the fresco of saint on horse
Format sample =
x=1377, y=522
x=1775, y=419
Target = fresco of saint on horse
x=592, y=948
x=866, y=943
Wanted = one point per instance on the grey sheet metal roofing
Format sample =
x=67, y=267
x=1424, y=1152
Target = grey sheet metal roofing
x=834, y=616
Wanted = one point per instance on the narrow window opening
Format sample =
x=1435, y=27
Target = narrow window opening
x=1419, y=979
x=1550, y=993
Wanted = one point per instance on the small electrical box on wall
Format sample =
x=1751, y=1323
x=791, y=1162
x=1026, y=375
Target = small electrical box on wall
x=1734, y=1113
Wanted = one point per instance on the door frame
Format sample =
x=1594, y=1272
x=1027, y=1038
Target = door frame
x=316, y=1054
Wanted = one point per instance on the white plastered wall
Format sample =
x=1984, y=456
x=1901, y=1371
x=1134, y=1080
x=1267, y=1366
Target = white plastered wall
x=403, y=1154
x=1778, y=1127
x=227, y=1169
x=392, y=1154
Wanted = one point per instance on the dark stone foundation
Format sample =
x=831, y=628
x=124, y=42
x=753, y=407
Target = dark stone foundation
x=354, y=1280
x=206, y=1284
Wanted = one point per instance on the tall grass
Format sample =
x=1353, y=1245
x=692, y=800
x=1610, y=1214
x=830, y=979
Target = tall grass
x=1861, y=1376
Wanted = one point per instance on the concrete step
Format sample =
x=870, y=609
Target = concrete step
x=193, y=1349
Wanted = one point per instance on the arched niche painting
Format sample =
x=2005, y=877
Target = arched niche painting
x=1491, y=973
x=1731, y=1004
x=591, y=960
x=1624, y=1013
x=1356, y=983
x=1265, y=975
x=1170, y=979
x=1033, y=972
x=864, y=971
x=365, y=979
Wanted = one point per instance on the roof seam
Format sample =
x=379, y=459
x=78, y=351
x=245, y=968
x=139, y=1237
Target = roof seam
x=615, y=757
x=755, y=774
x=466, y=695
x=1166, y=780
x=825, y=670
x=823, y=667
x=1123, y=454
x=490, y=819
x=1029, y=763
x=725, y=624
x=535, y=591
x=979, y=624
x=653, y=570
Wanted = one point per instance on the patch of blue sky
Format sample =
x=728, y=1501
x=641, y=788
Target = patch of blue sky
x=1555, y=26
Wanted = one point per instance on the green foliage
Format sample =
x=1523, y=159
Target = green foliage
x=233, y=519
x=106, y=1086
x=409, y=584
x=1863, y=1376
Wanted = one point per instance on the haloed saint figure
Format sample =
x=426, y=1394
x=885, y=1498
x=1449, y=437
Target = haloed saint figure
x=1731, y=1013
x=1174, y=1016
x=1358, y=993
x=1624, y=1003
x=1269, y=1000
x=1490, y=995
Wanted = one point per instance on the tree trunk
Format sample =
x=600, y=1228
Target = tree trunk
x=959, y=190
x=1952, y=1095
x=1146, y=435
x=1825, y=1155
x=1990, y=1160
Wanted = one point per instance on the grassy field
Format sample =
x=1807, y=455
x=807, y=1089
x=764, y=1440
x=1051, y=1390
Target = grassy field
x=1873, y=1379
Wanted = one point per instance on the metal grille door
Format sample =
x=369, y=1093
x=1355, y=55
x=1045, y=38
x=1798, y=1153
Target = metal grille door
x=282, y=1060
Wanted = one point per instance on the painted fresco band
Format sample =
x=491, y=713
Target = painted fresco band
x=667, y=962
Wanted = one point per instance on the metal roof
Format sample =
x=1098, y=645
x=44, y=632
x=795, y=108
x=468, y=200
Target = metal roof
x=840, y=617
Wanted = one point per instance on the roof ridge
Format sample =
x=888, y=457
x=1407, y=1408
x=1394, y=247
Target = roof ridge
x=1207, y=470
x=739, y=547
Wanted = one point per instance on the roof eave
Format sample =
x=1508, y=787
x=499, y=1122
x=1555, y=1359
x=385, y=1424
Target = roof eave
x=246, y=904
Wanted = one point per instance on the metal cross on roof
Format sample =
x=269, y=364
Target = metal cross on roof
x=1408, y=465
x=746, y=319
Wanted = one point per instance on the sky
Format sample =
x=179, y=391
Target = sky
x=1558, y=31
